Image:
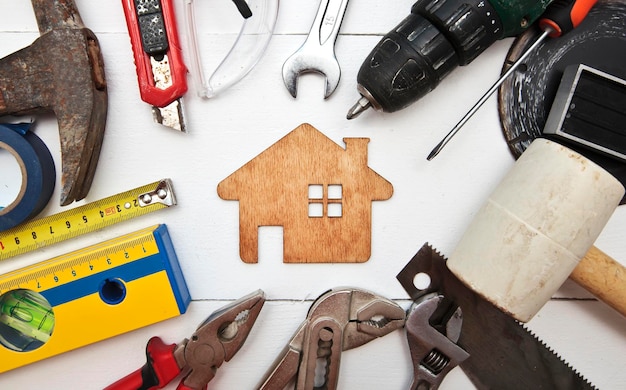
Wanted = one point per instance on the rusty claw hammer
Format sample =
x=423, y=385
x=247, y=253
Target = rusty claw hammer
x=61, y=72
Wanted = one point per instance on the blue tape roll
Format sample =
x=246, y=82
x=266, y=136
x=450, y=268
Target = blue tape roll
x=38, y=174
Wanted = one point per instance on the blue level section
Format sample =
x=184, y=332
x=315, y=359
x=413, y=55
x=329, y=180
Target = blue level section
x=164, y=260
x=172, y=266
x=91, y=284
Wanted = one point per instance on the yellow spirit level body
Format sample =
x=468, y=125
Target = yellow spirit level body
x=95, y=293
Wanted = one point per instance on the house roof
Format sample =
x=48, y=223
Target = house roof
x=307, y=154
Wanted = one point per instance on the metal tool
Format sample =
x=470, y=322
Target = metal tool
x=90, y=295
x=44, y=78
x=317, y=53
x=503, y=354
x=414, y=57
x=161, y=72
x=560, y=17
x=215, y=341
x=89, y=217
x=432, y=334
x=339, y=320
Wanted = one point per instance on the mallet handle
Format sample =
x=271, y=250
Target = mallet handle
x=604, y=277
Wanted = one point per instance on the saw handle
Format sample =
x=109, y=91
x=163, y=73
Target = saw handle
x=604, y=277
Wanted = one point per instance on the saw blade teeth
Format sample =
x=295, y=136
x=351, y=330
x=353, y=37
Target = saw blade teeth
x=435, y=251
x=552, y=351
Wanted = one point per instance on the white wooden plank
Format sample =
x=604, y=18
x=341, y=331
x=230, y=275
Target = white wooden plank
x=432, y=201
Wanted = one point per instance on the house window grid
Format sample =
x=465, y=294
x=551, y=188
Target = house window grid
x=329, y=197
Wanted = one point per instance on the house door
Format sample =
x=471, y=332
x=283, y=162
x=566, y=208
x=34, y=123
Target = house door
x=271, y=244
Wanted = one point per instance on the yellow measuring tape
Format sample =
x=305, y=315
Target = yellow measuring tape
x=89, y=295
x=87, y=218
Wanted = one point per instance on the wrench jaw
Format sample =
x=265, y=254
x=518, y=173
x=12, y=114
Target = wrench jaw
x=302, y=62
x=434, y=353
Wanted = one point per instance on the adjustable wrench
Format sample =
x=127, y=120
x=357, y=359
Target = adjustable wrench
x=317, y=53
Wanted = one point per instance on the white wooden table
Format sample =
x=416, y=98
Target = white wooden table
x=432, y=201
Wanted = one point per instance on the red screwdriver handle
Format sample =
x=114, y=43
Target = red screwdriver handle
x=161, y=368
x=178, y=71
x=563, y=16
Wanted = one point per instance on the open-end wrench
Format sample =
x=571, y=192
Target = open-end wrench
x=317, y=53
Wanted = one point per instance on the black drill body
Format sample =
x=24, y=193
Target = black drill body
x=437, y=36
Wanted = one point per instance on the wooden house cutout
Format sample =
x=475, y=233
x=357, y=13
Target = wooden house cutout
x=319, y=192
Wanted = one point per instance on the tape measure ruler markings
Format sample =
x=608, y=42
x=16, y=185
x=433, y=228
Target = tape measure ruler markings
x=86, y=218
x=89, y=295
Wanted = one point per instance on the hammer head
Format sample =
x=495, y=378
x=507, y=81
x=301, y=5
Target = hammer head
x=61, y=72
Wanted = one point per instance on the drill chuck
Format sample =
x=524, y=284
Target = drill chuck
x=436, y=37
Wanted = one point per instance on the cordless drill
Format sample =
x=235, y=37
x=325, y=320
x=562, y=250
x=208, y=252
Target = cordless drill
x=431, y=42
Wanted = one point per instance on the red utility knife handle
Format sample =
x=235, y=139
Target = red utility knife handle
x=149, y=92
x=160, y=369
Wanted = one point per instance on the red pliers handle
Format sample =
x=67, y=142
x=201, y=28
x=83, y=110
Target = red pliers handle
x=178, y=71
x=160, y=369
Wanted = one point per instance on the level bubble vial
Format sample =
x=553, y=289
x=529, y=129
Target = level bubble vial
x=26, y=320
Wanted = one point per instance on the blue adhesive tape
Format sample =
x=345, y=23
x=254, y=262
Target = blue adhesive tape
x=38, y=174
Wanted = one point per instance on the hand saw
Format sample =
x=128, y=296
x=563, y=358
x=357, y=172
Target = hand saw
x=503, y=353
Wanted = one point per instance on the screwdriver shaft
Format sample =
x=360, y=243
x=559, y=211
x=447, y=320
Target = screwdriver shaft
x=486, y=96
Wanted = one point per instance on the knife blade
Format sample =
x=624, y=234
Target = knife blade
x=503, y=353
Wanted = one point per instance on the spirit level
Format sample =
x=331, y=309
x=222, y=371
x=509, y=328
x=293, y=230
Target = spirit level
x=89, y=295
x=87, y=218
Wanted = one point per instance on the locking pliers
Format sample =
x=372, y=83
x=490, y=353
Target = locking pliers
x=338, y=320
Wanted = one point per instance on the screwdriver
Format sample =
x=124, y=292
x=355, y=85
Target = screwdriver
x=560, y=17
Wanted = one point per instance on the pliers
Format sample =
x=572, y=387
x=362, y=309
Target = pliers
x=215, y=341
x=338, y=320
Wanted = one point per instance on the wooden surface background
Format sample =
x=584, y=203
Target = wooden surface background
x=432, y=201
